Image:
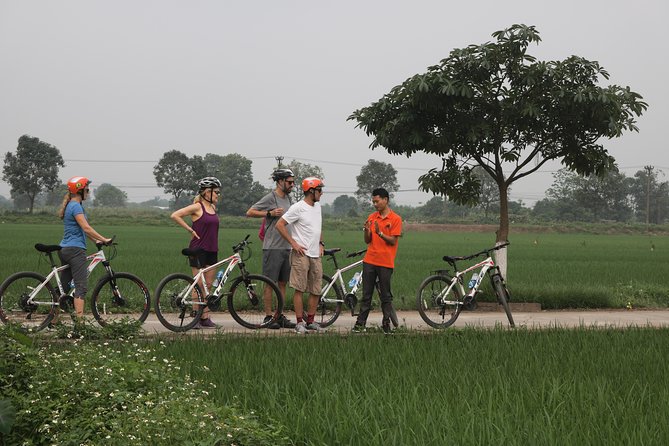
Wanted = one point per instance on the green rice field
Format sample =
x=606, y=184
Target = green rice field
x=466, y=387
x=556, y=270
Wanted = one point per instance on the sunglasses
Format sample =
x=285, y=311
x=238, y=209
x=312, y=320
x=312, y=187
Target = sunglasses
x=217, y=192
x=319, y=189
x=87, y=190
x=290, y=182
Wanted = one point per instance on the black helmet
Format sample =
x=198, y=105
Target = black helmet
x=282, y=174
x=208, y=182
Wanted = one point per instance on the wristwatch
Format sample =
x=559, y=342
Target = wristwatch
x=269, y=214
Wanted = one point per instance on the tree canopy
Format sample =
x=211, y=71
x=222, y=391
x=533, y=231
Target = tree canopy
x=107, y=195
x=177, y=174
x=33, y=169
x=495, y=106
x=373, y=175
x=239, y=190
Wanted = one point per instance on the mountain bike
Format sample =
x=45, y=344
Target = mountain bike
x=30, y=299
x=181, y=299
x=441, y=296
x=334, y=292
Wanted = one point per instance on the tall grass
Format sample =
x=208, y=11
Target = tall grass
x=556, y=270
x=583, y=386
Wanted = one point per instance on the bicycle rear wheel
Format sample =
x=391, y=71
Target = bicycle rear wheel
x=247, y=303
x=437, y=307
x=17, y=308
x=502, y=296
x=121, y=297
x=329, y=305
x=177, y=309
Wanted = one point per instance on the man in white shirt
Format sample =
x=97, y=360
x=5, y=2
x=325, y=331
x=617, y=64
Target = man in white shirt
x=305, y=238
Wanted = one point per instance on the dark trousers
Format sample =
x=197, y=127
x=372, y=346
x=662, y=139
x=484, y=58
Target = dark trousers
x=370, y=273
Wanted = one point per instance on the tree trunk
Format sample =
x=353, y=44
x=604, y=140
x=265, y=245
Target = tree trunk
x=503, y=230
x=32, y=202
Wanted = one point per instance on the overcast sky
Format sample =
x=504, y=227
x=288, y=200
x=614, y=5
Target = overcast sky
x=115, y=84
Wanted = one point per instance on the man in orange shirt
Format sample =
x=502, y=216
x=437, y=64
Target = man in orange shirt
x=383, y=229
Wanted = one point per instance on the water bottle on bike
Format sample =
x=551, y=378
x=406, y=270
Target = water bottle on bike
x=355, y=279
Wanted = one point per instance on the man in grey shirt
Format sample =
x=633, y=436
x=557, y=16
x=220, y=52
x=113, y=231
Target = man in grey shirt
x=275, y=249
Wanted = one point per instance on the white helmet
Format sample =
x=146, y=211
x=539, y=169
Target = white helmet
x=208, y=182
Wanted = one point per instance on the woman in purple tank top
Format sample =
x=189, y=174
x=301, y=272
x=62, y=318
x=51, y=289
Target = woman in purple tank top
x=204, y=232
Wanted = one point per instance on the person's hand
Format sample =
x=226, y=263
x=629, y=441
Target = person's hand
x=376, y=227
x=299, y=249
x=195, y=234
x=278, y=212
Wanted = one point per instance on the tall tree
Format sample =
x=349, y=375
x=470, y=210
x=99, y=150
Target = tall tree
x=373, y=175
x=239, y=190
x=107, y=195
x=33, y=169
x=302, y=171
x=494, y=105
x=344, y=205
x=177, y=174
x=593, y=198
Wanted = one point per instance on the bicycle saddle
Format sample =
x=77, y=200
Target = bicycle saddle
x=192, y=252
x=329, y=252
x=47, y=248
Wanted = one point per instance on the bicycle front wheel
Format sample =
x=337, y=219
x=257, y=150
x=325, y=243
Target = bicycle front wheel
x=502, y=296
x=177, y=308
x=438, y=306
x=329, y=305
x=122, y=296
x=249, y=303
x=20, y=305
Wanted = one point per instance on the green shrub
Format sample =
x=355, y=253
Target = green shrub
x=114, y=393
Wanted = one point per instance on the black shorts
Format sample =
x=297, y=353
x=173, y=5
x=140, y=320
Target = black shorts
x=207, y=258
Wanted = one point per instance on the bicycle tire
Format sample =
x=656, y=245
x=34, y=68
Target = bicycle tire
x=246, y=301
x=438, y=312
x=502, y=296
x=129, y=299
x=13, y=306
x=175, y=314
x=328, y=312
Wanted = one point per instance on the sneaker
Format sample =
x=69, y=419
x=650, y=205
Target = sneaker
x=315, y=326
x=284, y=322
x=301, y=328
x=207, y=323
x=386, y=329
x=358, y=329
x=274, y=325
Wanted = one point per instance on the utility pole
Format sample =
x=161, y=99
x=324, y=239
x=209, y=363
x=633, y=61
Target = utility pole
x=278, y=161
x=649, y=173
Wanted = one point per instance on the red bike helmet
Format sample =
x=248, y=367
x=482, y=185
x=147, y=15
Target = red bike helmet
x=75, y=184
x=311, y=183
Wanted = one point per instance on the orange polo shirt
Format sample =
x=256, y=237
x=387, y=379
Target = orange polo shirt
x=379, y=252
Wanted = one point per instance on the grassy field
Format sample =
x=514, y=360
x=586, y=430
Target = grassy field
x=557, y=270
x=467, y=387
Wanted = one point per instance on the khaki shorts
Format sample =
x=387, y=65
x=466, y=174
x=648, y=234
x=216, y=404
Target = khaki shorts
x=305, y=273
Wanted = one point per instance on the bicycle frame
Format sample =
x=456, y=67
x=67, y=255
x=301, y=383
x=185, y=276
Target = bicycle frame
x=484, y=266
x=338, y=277
x=94, y=259
x=232, y=261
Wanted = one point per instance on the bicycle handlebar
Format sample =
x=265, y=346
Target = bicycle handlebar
x=109, y=243
x=356, y=254
x=241, y=245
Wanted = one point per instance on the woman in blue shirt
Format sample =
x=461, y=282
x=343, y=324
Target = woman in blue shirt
x=73, y=245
